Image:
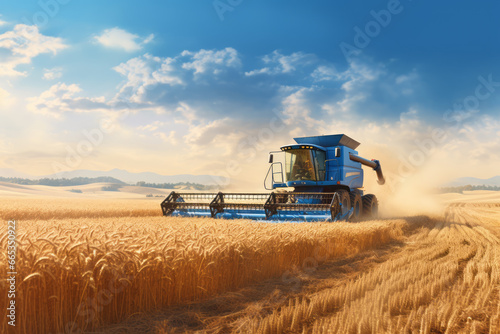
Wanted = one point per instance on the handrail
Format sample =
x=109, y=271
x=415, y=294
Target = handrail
x=272, y=174
x=280, y=172
x=265, y=179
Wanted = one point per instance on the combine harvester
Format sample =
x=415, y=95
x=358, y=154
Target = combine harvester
x=324, y=171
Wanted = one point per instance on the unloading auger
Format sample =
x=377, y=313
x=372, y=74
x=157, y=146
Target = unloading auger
x=325, y=173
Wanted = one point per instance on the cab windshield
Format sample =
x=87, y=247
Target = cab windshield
x=305, y=164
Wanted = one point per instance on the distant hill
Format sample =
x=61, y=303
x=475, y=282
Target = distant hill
x=474, y=181
x=122, y=175
x=133, y=178
x=9, y=172
x=76, y=181
x=113, y=184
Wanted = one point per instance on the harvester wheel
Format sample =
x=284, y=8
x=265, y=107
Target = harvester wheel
x=345, y=200
x=357, y=205
x=370, y=206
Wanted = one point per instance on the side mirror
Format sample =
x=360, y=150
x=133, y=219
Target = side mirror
x=270, y=158
x=337, y=152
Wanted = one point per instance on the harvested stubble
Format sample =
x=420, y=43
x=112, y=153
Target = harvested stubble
x=84, y=273
x=447, y=280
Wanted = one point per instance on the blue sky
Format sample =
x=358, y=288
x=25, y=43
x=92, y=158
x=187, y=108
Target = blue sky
x=187, y=86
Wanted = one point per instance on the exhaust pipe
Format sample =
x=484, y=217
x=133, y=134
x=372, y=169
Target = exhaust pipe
x=375, y=164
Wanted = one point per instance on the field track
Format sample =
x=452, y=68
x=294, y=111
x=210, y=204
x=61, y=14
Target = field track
x=443, y=278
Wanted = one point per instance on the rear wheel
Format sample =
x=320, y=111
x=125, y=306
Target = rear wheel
x=345, y=200
x=370, y=206
x=357, y=205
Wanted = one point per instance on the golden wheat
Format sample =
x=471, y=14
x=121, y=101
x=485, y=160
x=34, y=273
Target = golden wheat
x=81, y=273
x=66, y=208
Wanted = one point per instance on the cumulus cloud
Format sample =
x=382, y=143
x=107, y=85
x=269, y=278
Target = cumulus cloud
x=325, y=73
x=118, y=38
x=277, y=63
x=62, y=98
x=52, y=73
x=143, y=71
x=211, y=60
x=146, y=78
x=146, y=75
x=359, y=74
x=24, y=43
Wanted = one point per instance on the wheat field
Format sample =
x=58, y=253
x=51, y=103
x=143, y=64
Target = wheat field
x=46, y=208
x=82, y=273
x=96, y=268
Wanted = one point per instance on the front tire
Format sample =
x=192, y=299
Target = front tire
x=345, y=200
x=370, y=206
x=357, y=205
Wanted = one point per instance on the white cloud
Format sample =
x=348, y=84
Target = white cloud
x=413, y=75
x=142, y=74
x=24, y=43
x=477, y=141
x=52, y=73
x=53, y=102
x=185, y=114
x=152, y=126
x=359, y=74
x=282, y=64
x=167, y=138
x=325, y=73
x=211, y=60
x=61, y=98
x=148, y=39
x=159, y=129
x=297, y=106
x=146, y=71
x=121, y=39
x=220, y=136
x=6, y=99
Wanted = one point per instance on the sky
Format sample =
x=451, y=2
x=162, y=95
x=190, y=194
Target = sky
x=210, y=87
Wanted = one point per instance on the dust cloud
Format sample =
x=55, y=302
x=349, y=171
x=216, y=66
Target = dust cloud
x=412, y=178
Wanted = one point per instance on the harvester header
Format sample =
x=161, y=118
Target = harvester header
x=324, y=174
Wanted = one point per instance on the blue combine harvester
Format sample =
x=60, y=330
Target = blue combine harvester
x=325, y=173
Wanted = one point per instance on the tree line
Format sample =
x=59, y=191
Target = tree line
x=461, y=189
x=196, y=186
x=78, y=181
x=75, y=181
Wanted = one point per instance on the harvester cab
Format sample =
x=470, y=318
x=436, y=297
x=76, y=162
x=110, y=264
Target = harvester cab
x=325, y=173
